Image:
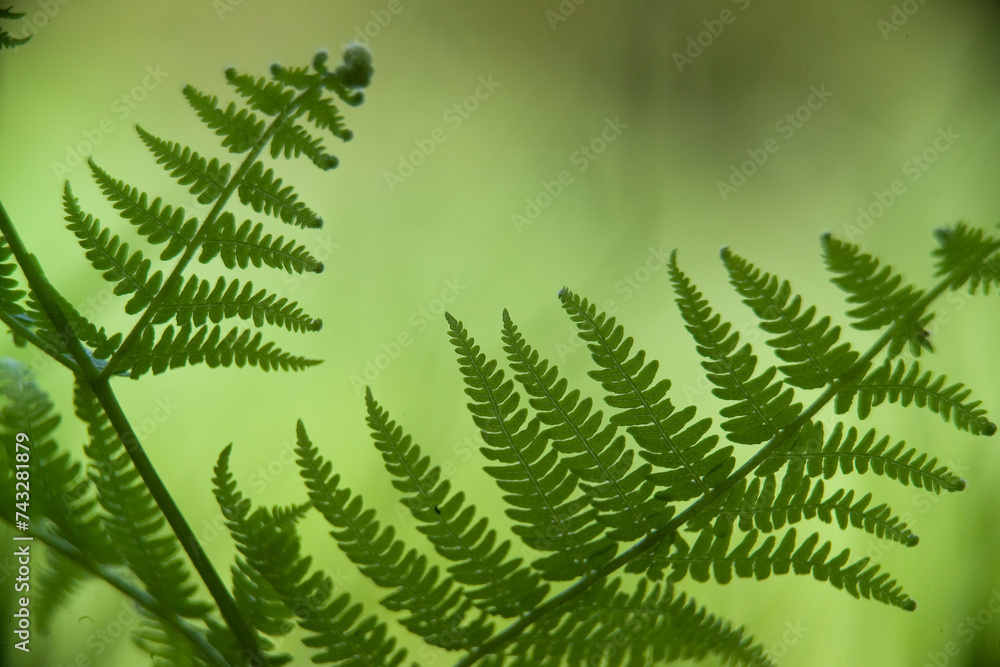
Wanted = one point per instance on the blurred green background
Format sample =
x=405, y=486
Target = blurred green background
x=506, y=150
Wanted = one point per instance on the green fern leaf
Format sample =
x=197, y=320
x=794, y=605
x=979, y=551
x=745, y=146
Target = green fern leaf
x=300, y=78
x=264, y=193
x=266, y=96
x=504, y=588
x=710, y=558
x=240, y=129
x=293, y=140
x=539, y=490
x=897, y=385
x=846, y=453
x=249, y=245
x=158, y=223
x=968, y=257
x=203, y=178
x=762, y=410
x=610, y=627
x=53, y=586
x=165, y=646
x=260, y=603
x=58, y=489
x=132, y=519
x=333, y=624
x=198, y=302
x=808, y=346
x=107, y=253
x=11, y=295
x=177, y=348
x=693, y=462
x=101, y=345
x=324, y=114
x=436, y=606
x=760, y=505
x=881, y=297
x=8, y=41
x=621, y=494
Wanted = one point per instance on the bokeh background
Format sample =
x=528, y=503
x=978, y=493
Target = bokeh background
x=506, y=150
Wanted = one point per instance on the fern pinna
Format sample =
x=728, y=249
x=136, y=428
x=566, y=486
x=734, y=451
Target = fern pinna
x=650, y=490
x=181, y=319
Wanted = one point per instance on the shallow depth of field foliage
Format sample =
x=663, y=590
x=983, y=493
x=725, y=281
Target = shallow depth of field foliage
x=504, y=153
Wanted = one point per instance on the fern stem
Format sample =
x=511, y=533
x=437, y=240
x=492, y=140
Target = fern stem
x=141, y=597
x=511, y=632
x=31, y=337
x=244, y=634
x=99, y=384
x=290, y=113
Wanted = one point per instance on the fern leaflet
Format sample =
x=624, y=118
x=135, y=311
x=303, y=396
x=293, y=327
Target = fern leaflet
x=504, y=588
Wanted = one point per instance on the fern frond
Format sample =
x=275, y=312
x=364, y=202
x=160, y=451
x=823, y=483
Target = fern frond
x=262, y=606
x=132, y=519
x=186, y=346
x=761, y=408
x=610, y=627
x=8, y=41
x=249, y=245
x=197, y=302
x=156, y=222
x=846, y=453
x=710, y=557
x=968, y=256
x=293, y=140
x=107, y=253
x=269, y=97
x=53, y=586
x=897, y=385
x=165, y=646
x=11, y=295
x=437, y=607
x=57, y=488
x=881, y=296
x=621, y=494
x=504, y=587
x=263, y=192
x=324, y=114
x=809, y=346
x=240, y=129
x=760, y=504
x=333, y=623
x=204, y=178
x=539, y=490
x=693, y=463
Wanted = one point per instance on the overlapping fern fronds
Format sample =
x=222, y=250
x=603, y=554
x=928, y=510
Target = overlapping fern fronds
x=173, y=305
x=611, y=509
x=583, y=510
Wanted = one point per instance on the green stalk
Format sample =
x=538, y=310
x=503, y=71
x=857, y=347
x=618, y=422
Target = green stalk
x=88, y=374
